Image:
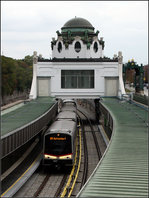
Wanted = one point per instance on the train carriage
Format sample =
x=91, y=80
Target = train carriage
x=69, y=105
x=59, y=143
x=67, y=115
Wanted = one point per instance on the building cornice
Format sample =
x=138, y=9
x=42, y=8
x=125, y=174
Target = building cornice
x=78, y=60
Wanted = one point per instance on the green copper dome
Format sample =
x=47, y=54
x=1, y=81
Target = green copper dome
x=77, y=23
x=77, y=27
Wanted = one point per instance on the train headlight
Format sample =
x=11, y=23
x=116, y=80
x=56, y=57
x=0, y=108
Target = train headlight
x=66, y=156
x=50, y=156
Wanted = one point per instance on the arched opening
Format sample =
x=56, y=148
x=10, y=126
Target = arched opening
x=95, y=47
x=59, y=47
x=77, y=46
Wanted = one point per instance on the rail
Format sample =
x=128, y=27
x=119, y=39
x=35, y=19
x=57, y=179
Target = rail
x=94, y=137
x=75, y=171
x=84, y=178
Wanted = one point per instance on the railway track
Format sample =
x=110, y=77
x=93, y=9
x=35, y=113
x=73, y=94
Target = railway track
x=44, y=183
x=85, y=157
x=68, y=182
x=92, y=153
x=52, y=182
x=51, y=185
x=92, y=150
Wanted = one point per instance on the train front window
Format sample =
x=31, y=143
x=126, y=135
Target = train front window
x=57, y=144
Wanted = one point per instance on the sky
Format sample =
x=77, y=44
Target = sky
x=28, y=26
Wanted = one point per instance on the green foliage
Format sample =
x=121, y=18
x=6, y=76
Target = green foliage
x=16, y=75
x=28, y=60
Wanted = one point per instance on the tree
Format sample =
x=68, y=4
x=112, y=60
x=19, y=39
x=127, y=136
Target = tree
x=16, y=75
x=8, y=75
x=28, y=60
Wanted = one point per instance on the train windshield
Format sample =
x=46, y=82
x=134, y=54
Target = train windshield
x=57, y=144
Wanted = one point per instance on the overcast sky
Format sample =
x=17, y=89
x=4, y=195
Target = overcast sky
x=29, y=26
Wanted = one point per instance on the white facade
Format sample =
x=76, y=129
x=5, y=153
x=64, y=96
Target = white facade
x=76, y=62
x=103, y=71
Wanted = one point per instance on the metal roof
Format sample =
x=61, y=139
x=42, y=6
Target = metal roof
x=62, y=126
x=123, y=170
x=78, y=22
x=68, y=107
x=67, y=115
x=25, y=114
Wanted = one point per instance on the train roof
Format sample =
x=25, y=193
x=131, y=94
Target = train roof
x=69, y=101
x=62, y=126
x=67, y=115
x=68, y=108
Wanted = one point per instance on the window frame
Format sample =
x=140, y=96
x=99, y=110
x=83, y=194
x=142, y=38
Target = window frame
x=79, y=77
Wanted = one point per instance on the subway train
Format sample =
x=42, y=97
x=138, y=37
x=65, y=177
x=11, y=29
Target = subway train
x=60, y=139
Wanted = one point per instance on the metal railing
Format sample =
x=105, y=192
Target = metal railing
x=106, y=119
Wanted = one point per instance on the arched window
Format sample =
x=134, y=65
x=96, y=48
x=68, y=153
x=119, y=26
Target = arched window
x=95, y=47
x=59, y=47
x=77, y=46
